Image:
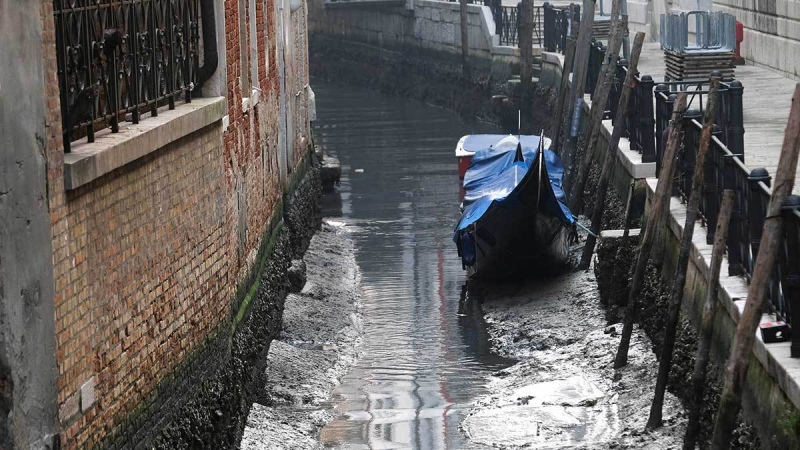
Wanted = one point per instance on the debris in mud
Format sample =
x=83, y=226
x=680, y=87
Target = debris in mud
x=319, y=342
x=565, y=393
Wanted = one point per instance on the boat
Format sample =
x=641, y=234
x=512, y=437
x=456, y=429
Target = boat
x=514, y=221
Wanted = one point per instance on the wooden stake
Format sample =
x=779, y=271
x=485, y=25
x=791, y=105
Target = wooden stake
x=526, y=44
x=611, y=152
x=599, y=101
x=679, y=279
x=569, y=58
x=660, y=204
x=707, y=323
x=578, y=77
x=464, y=37
x=771, y=238
x=626, y=225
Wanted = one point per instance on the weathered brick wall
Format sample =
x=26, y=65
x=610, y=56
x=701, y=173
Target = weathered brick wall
x=150, y=259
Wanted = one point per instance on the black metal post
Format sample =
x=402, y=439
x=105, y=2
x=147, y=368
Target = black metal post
x=756, y=209
x=791, y=274
x=735, y=138
x=646, y=120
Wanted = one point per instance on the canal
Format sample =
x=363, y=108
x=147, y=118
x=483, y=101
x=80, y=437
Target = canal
x=425, y=353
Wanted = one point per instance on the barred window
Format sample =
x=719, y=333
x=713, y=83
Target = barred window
x=119, y=61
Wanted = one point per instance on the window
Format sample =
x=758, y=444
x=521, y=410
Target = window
x=134, y=75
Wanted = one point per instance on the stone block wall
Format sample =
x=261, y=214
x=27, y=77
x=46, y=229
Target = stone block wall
x=152, y=261
x=771, y=32
x=431, y=25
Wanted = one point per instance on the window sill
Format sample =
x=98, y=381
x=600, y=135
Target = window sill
x=110, y=151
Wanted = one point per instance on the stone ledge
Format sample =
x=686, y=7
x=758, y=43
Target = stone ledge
x=110, y=151
x=774, y=357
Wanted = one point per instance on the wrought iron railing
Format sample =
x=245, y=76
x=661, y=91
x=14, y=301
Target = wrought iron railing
x=507, y=21
x=556, y=24
x=646, y=127
x=729, y=112
x=726, y=170
x=121, y=59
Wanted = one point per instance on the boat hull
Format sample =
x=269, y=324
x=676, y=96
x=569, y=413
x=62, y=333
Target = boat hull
x=521, y=235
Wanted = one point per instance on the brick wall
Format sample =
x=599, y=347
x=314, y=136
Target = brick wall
x=148, y=259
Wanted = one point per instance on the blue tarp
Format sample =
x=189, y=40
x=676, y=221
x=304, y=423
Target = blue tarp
x=493, y=175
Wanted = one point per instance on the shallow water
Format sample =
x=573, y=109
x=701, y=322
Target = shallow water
x=426, y=354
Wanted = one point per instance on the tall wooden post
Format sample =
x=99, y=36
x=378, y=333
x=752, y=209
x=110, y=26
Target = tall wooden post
x=611, y=152
x=569, y=59
x=578, y=79
x=679, y=280
x=526, y=44
x=659, y=205
x=599, y=101
x=771, y=238
x=464, y=37
x=707, y=322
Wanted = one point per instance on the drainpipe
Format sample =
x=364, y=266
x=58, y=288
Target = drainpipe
x=210, y=55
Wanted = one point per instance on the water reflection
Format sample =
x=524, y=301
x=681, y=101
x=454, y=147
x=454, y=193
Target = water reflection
x=425, y=352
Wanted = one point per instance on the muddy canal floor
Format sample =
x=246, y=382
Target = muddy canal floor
x=564, y=392
x=321, y=335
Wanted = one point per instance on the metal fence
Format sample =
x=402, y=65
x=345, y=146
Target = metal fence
x=556, y=23
x=120, y=59
x=646, y=126
x=726, y=170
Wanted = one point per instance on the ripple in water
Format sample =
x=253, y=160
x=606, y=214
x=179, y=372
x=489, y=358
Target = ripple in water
x=425, y=353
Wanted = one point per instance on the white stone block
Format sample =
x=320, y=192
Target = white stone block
x=70, y=408
x=87, y=395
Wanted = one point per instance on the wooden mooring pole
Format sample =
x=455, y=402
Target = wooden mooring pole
x=464, y=37
x=611, y=152
x=771, y=238
x=679, y=279
x=707, y=322
x=599, y=101
x=659, y=205
x=569, y=59
x=580, y=68
x=526, y=45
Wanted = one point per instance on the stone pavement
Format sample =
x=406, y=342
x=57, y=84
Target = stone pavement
x=767, y=98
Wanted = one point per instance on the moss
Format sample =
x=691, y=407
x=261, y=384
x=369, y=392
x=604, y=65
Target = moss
x=789, y=425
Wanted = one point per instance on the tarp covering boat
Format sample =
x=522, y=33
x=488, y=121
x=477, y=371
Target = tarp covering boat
x=513, y=202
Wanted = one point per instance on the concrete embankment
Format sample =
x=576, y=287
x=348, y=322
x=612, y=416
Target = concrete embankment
x=318, y=344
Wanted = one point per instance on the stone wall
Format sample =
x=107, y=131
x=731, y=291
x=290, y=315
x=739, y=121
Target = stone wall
x=771, y=32
x=156, y=261
x=771, y=397
x=429, y=25
x=28, y=410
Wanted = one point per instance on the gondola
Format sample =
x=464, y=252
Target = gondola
x=514, y=221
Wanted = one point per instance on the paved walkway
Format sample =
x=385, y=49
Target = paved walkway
x=767, y=99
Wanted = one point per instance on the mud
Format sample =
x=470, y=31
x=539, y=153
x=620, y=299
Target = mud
x=564, y=393
x=615, y=262
x=319, y=342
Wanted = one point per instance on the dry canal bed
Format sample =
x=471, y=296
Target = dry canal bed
x=564, y=392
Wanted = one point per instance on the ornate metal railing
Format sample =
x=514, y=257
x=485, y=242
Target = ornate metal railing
x=121, y=59
x=556, y=24
x=729, y=112
x=507, y=21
